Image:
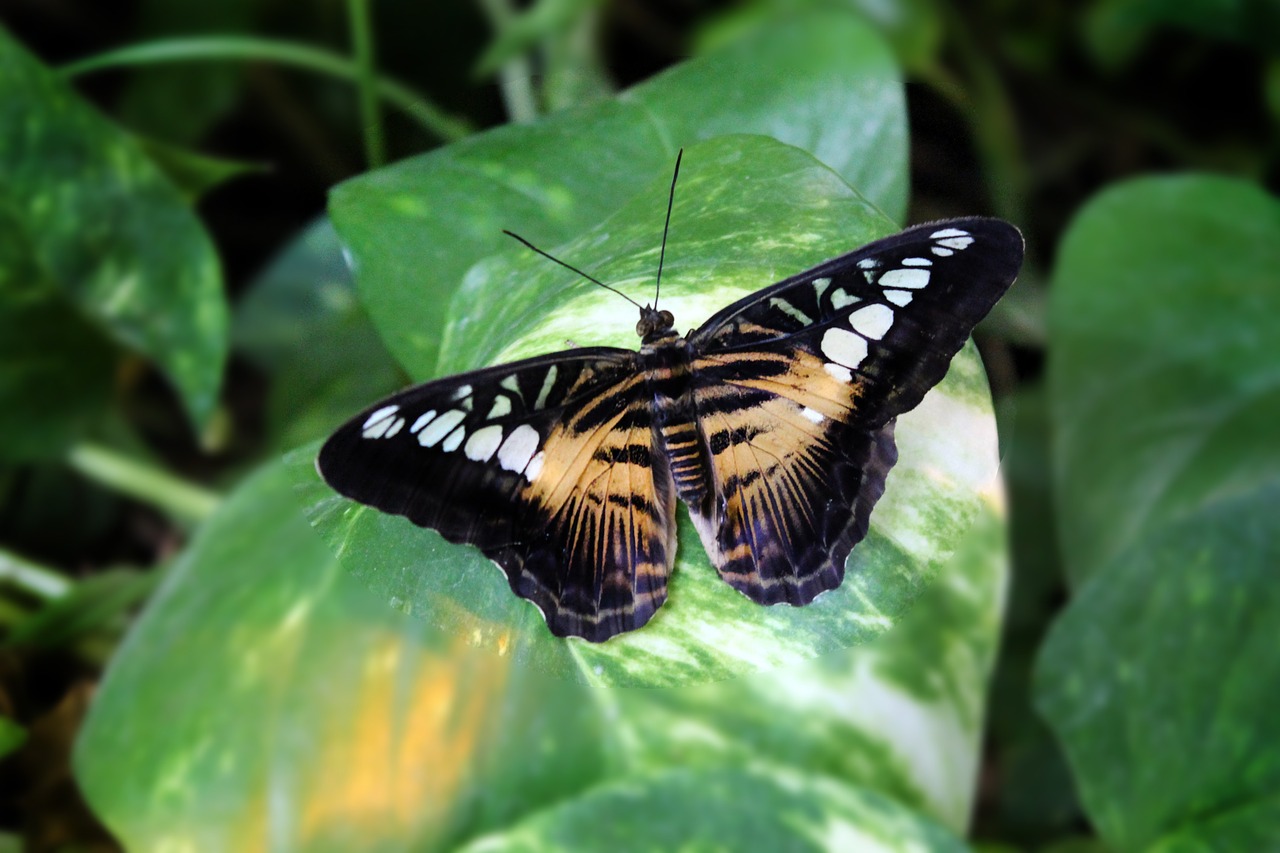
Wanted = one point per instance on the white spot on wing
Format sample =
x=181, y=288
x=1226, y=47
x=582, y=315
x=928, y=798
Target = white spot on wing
x=534, y=468
x=820, y=285
x=912, y=278
x=461, y=391
x=423, y=420
x=547, y=383
x=790, y=310
x=942, y=252
x=917, y=262
x=812, y=415
x=872, y=321
x=952, y=238
x=840, y=299
x=440, y=427
x=511, y=383
x=451, y=443
x=380, y=414
x=898, y=297
x=519, y=448
x=382, y=423
x=840, y=372
x=844, y=347
x=501, y=406
x=483, y=443
x=868, y=263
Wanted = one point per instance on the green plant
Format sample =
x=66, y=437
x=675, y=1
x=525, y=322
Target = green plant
x=373, y=687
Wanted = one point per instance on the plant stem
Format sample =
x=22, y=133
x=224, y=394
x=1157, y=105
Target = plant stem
x=412, y=104
x=144, y=481
x=375, y=147
x=516, y=75
x=35, y=579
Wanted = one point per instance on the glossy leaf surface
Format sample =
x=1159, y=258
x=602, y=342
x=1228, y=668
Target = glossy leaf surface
x=750, y=211
x=1162, y=679
x=108, y=229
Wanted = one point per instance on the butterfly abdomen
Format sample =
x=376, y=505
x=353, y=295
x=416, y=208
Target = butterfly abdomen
x=669, y=375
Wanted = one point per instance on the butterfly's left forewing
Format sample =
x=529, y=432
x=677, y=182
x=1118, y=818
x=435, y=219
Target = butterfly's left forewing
x=798, y=387
x=546, y=465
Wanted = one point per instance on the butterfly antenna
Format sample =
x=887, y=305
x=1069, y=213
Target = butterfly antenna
x=662, y=255
x=589, y=278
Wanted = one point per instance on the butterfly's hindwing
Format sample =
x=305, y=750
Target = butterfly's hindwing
x=546, y=465
x=794, y=475
x=798, y=387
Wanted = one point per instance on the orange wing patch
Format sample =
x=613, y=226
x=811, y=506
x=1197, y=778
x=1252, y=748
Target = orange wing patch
x=608, y=502
x=794, y=481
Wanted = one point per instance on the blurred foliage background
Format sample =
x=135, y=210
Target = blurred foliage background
x=185, y=665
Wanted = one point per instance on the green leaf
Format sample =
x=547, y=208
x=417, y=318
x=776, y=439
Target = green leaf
x=1162, y=371
x=299, y=322
x=824, y=83
x=109, y=230
x=1161, y=678
x=264, y=698
x=193, y=173
x=58, y=368
x=1162, y=681
x=760, y=808
x=749, y=211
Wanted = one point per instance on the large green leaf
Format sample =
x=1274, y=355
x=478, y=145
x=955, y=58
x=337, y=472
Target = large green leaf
x=824, y=83
x=1163, y=366
x=265, y=699
x=1162, y=679
x=760, y=808
x=749, y=211
x=107, y=228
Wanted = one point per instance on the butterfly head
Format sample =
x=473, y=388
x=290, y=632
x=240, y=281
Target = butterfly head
x=653, y=323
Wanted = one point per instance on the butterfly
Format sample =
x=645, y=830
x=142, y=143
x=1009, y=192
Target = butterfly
x=772, y=421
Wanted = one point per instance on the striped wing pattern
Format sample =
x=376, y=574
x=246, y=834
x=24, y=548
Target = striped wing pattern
x=546, y=465
x=799, y=385
x=794, y=476
x=773, y=421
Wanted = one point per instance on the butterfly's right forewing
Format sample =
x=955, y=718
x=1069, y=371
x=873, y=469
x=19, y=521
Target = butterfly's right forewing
x=800, y=383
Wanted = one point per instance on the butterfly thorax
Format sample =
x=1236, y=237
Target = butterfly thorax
x=666, y=362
